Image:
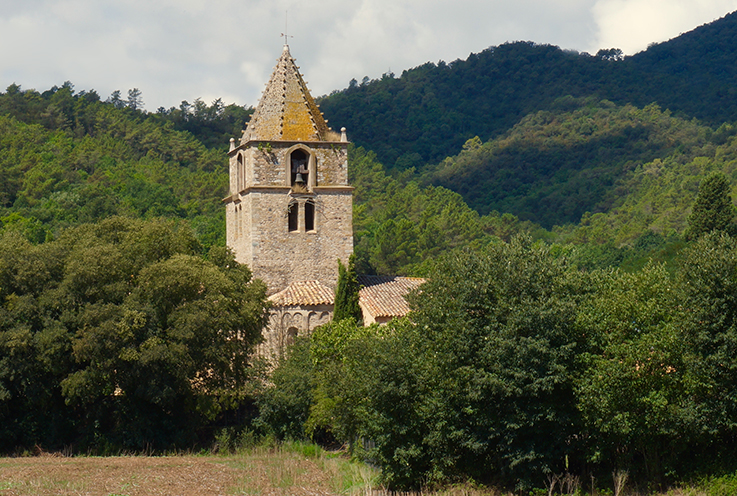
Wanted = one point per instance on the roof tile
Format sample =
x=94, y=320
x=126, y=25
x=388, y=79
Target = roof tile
x=302, y=293
x=384, y=296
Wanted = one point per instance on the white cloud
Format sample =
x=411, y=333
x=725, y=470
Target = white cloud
x=633, y=24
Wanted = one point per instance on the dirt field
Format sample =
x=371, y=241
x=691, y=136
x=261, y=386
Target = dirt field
x=252, y=474
x=259, y=472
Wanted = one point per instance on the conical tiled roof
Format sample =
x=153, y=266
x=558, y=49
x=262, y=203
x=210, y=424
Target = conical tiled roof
x=286, y=110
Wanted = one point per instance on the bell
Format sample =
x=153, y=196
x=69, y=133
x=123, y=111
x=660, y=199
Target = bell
x=299, y=179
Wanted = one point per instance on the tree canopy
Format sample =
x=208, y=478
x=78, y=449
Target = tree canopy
x=713, y=209
x=121, y=334
x=517, y=369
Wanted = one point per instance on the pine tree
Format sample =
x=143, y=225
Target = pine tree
x=713, y=209
x=135, y=99
x=346, y=294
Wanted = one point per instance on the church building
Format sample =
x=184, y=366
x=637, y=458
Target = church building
x=289, y=213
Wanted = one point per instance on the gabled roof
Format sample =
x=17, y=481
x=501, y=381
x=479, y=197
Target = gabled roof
x=304, y=293
x=383, y=296
x=286, y=111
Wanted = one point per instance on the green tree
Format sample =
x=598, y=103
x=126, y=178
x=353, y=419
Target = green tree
x=284, y=402
x=385, y=386
x=311, y=392
x=35, y=350
x=135, y=99
x=713, y=209
x=708, y=277
x=332, y=412
x=115, y=100
x=634, y=389
x=346, y=293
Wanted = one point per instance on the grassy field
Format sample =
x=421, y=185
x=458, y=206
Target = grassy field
x=292, y=469
x=260, y=471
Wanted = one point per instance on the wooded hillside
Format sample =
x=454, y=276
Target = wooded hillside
x=431, y=110
x=591, y=156
x=68, y=158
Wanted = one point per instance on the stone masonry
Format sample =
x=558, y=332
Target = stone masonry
x=289, y=209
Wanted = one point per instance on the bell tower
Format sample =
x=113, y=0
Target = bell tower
x=289, y=209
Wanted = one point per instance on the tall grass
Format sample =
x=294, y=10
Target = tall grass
x=283, y=467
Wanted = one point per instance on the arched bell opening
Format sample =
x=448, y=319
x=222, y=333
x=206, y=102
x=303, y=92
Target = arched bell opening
x=300, y=171
x=237, y=176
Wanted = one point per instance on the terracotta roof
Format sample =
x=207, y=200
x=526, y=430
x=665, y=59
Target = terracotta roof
x=383, y=296
x=302, y=293
x=286, y=110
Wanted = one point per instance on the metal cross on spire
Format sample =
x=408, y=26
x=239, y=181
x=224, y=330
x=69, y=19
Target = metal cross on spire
x=285, y=34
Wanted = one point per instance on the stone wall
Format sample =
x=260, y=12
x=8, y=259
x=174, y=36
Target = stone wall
x=286, y=323
x=279, y=256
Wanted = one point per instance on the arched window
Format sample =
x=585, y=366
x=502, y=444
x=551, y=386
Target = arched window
x=300, y=168
x=293, y=216
x=239, y=174
x=237, y=221
x=291, y=336
x=309, y=215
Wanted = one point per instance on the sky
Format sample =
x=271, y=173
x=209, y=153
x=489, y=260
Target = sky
x=175, y=50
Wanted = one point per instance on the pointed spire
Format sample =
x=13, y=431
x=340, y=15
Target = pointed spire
x=286, y=110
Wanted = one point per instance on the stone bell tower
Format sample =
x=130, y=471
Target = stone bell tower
x=289, y=209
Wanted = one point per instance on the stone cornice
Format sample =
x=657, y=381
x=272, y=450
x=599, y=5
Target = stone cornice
x=284, y=189
x=337, y=187
x=287, y=143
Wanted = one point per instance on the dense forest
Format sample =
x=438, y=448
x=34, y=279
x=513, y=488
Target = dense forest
x=122, y=335
x=578, y=241
x=591, y=156
x=69, y=158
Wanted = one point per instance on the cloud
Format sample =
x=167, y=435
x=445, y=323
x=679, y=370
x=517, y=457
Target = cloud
x=174, y=50
x=382, y=35
x=633, y=24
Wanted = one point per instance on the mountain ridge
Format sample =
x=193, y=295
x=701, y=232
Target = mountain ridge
x=432, y=109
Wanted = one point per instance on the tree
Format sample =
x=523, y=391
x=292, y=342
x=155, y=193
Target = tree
x=333, y=412
x=35, y=351
x=385, y=383
x=173, y=341
x=709, y=280
x=647, y=426
x=614, y=54
x=346, y=294
x=284, y=403
x=713, y=208
x=135, y=99
x=115, y=99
